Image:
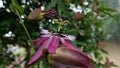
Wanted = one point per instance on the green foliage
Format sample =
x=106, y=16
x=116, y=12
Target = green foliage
x=113, y=27
x=15, y=6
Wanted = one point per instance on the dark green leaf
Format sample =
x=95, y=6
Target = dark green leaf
x=60, y=6
x=106, y=9
x=17, y=6
x=104, y=51
x=50, y=5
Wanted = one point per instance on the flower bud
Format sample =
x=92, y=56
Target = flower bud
x=78, y=16
x=39, y=14
x=34, y=14
x=71, y=57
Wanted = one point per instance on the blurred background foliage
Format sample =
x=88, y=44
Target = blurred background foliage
x=90, y=24
x=112, y=26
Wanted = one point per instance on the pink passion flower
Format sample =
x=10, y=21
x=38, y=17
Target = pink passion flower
x=52, y=41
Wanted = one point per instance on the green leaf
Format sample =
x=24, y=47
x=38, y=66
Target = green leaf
x=81, y=43
x=14, y=5
x=76, y=3
x=2, y=65
x=60, y=7
x=110, y=14
x=51, y=5
x=98, y=55
x=71, y=32
x=104, y=51
x=114, y=65
x=106, y=9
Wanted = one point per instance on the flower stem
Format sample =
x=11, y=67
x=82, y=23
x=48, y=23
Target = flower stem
x=22, y=22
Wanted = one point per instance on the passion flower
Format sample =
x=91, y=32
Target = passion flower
x=53, y=41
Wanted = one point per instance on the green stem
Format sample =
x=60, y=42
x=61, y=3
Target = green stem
x=59, y=27
x=22, y=22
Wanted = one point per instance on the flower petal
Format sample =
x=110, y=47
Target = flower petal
x=50, y=14
x=38, y=54
x=70, y=37
x=68, y=44
x=44, y=31
x=57, y=64
x=54, y=44
x=71, y=57
x=39, y=41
